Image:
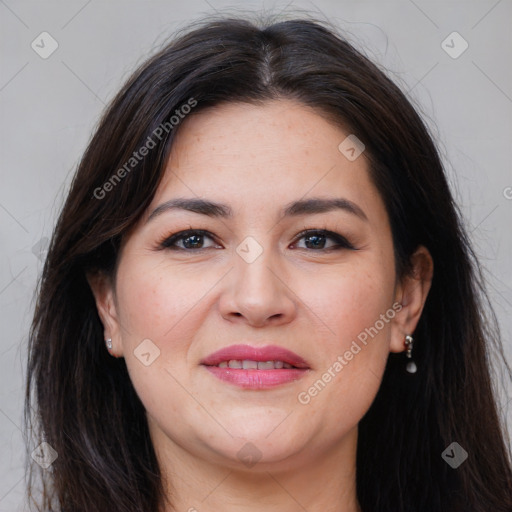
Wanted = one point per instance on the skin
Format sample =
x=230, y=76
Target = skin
x=192, y=302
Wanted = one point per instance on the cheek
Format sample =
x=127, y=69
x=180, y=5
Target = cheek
x=355, y=343
x=351, y=301
x=156, y=303
x=160, y=303
x=155, y=299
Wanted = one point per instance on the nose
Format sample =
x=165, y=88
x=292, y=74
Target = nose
x=257, y=293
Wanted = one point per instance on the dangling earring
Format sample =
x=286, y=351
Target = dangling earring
x=411, y=365
x=109, y=343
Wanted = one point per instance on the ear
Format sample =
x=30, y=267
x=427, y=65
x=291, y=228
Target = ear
x=411, y=293
x=104, y=295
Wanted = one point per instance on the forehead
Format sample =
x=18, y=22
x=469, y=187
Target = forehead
x=267, y=154
x=260, y=133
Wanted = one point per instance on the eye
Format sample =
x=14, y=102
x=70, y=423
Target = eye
x=316, y=239
x=191, y=239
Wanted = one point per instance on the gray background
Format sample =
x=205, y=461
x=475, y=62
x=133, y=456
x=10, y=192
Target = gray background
x=49, y=108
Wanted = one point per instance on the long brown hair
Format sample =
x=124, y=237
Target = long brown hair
x=87, y=408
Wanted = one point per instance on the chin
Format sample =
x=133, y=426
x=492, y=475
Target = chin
x=257, y=445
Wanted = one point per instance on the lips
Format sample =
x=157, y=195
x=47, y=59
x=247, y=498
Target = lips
x=256, y=368
x=248, y=357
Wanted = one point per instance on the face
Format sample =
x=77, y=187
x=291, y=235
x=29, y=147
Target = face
x=268, y=268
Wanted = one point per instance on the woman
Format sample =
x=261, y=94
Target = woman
x=259, y=295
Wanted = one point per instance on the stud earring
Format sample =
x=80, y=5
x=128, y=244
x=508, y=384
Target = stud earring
x=411, y=365
x=108, y=342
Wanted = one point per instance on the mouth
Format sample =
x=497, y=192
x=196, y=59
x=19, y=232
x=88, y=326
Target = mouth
x=256, y=367
x=248, y=364
x=248, y=357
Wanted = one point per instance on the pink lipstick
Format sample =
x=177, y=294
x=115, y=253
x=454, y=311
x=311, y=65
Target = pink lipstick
x=256, y=367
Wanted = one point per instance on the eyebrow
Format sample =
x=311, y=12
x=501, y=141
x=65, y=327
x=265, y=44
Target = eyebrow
x=293, y=209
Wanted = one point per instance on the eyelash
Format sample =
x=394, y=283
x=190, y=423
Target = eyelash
x=342, y=243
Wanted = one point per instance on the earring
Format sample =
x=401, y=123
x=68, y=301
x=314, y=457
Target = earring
x=109, y=343
x=411, y=365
